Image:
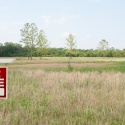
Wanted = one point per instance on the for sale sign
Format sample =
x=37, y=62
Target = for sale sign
x=3, y=76
x=3, y=82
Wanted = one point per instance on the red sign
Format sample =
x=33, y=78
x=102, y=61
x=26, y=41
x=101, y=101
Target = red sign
x=3, y=82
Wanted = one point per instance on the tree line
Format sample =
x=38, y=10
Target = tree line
x=37, y=45
x=10, y=49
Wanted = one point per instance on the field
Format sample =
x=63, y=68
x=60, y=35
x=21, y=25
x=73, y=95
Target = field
x=49, y=92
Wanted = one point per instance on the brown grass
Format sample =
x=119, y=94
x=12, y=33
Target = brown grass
x=36, y=97
x=64, y=98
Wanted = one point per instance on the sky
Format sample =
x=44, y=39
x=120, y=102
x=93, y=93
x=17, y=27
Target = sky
x=89, y=21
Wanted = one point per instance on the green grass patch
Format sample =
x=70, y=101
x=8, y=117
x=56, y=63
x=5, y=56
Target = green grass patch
x=114, y=67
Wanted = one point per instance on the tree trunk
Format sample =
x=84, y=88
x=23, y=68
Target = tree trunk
x=40, y=57
x=31, y=54
x=28, y=53
x=31, y=50
x=70, y=57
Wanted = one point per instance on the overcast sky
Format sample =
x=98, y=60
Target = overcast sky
x=89, y=20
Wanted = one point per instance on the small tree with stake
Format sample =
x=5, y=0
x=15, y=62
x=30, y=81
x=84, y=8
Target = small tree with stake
x=71, y=46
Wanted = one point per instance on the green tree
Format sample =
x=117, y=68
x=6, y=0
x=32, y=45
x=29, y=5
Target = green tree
x=11, y=49
x=117, y=53
x=29, y=35
x=102, y=47
x=42, y=43
x=71, y=46
x=123, y=52
x=1, y=50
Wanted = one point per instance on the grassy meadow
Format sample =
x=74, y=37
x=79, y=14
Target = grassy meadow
x=48, y=92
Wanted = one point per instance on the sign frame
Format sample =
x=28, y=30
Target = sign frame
x=5, y=86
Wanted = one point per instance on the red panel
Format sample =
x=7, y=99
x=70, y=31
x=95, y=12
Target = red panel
x=3, y=82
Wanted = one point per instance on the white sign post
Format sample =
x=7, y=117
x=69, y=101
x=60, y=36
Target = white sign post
x=3, y=77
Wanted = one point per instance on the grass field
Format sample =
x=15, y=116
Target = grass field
x=46, y=92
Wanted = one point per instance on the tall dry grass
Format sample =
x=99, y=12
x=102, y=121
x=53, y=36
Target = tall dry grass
x=36, y=97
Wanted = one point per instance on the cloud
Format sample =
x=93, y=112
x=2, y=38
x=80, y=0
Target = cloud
x=5, y=7
x=95, y=1
x=66, y=34
x=74, y=16
x=10, y=32
x=61, y=20
x=47, y=20
x=88, y=36
x=65, y=18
